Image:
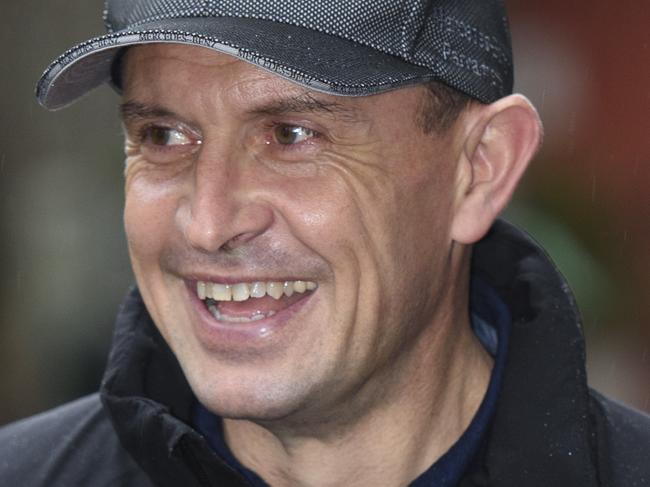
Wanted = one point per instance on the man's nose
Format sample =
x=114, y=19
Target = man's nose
x=222, y=210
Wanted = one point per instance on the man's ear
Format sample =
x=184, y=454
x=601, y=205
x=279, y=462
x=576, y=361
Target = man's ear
x=500, y=141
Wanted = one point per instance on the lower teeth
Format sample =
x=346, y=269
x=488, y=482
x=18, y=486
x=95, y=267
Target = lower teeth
x=258, y=315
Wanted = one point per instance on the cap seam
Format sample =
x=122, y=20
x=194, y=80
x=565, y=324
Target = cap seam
x=421, y=28
x=406, y=52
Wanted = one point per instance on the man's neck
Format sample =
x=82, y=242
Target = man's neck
x=393, y=442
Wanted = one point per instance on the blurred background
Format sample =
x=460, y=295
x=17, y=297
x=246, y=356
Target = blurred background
x=64, y=267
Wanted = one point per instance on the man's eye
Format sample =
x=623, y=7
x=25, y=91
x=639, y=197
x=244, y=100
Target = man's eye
x=292, y=134
x=164, y=136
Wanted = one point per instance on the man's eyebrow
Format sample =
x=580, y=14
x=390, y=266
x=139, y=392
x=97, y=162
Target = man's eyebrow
x=307, y=103
x=132, y=111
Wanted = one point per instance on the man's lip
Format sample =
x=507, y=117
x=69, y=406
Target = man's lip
x=227, y=337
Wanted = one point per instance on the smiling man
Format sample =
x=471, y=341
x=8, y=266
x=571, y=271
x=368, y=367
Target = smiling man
x=325, y=296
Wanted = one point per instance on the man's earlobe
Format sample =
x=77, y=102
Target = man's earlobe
x=501, y=141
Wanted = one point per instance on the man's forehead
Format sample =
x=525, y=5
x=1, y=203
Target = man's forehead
x=196, y=55
x=161, y=64
x=149, y=71
x=153, y=67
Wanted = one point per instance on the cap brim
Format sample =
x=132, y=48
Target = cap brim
x=316, y=60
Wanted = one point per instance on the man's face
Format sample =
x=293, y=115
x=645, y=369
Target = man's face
x=235, y=176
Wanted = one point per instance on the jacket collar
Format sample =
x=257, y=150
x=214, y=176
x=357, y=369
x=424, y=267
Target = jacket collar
x=540, y=434
x=149, y=403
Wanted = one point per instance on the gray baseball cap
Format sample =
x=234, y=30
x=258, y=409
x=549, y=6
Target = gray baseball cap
x=341, y=47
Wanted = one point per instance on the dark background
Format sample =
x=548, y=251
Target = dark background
x=585, y=64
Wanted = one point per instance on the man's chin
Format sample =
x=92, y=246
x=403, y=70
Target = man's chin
x=251, y=401
x=255, y=410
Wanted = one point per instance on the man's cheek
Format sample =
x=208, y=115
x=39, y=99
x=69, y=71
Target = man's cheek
x=145, y=226
x=134, y=166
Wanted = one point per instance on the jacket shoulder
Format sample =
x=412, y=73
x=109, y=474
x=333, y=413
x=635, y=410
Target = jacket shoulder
x=74, y=444
x=624, y=442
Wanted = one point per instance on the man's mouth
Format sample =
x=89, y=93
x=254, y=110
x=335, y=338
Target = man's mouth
x=247, y=302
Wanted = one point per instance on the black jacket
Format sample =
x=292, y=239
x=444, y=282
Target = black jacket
x=549, y=429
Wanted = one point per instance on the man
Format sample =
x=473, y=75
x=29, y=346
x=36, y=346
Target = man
x=324, y=293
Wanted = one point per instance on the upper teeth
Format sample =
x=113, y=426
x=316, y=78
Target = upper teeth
x=244, y=290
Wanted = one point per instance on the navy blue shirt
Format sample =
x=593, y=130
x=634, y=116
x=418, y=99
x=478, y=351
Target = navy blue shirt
x=491, y=323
